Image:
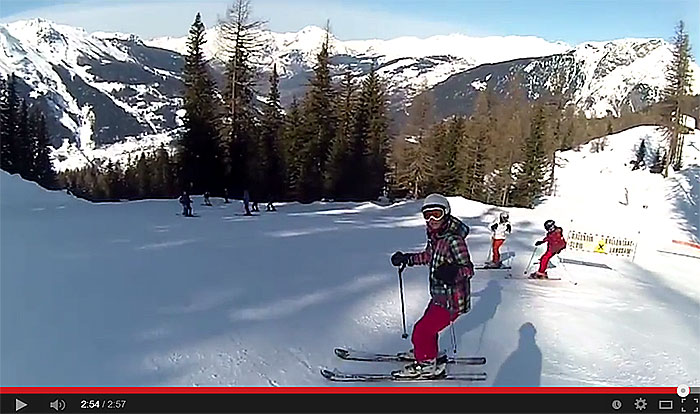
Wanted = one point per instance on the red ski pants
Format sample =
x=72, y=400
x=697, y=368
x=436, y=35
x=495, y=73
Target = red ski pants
x=496, y=246
x=544, y=261
x=426, y=330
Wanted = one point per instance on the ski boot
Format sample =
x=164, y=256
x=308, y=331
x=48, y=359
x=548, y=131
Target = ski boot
x=407, y=355
x=538, y=275
x=492, y=265
x=410, y=356
x=430, y=369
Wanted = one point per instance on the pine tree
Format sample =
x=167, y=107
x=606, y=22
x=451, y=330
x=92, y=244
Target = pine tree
x=33, y=124
x=369, y=146
x=41, y=169
x=111, y=181
x=23, y=142
x=641, y=154
x=339, y=172
x=163, y=173
x=272, y=125
x=198, y=150
x=319, y=114
x=680, y=78
x=131, y=184
x=657, y=166
x=4, y=131
x=143, y=176
x=9, y=126
x=294, y=146
x=448, y=138
x=242, y=48
x=530, y=180
x=372, y=100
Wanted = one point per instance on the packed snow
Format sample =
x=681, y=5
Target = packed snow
x=134, y=294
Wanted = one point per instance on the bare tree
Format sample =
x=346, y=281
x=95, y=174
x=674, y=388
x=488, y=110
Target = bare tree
x=241, y=43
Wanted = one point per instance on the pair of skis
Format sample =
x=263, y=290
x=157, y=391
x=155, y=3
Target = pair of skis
x=510, y=276
x=353, y=355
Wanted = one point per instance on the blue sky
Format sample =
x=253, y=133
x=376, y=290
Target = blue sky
x=572, y=21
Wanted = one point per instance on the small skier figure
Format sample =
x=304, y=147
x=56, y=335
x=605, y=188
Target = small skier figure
x=500, y=230
x=206, y=198
x=270, y=206
x=186, y=202
x=246, y=201
x=449, y=273
x=226, y=196
x=555, y=244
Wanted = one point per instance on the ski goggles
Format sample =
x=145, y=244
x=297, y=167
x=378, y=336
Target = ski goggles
x=433, y=214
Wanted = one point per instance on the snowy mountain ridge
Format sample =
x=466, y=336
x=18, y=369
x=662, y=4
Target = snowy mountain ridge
x=103, y=88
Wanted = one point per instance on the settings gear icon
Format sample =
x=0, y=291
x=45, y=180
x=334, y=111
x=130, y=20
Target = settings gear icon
x=640, y=404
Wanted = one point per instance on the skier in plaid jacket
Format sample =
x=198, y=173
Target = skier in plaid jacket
x=450, y=270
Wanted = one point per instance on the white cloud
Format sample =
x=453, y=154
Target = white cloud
x=173, y=18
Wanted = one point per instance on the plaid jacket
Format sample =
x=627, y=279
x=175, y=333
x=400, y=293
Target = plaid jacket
x=448, y=245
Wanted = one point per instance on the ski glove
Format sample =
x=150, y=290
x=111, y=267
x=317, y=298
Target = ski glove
x=399, y=258
x=508, y=228
x=538, y=242
x=494, y=227
x=447, y=273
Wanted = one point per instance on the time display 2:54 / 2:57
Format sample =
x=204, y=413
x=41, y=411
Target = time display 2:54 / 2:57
x=102, y=404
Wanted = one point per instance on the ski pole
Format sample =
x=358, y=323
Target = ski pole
x=403, y=306
x=530, y=261
x=488, y=258
x=568, y=275
x=453, y=337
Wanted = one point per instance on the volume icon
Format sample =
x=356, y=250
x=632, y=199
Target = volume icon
x=58, y=405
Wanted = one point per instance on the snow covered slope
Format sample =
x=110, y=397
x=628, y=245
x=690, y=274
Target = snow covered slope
x=133, y=294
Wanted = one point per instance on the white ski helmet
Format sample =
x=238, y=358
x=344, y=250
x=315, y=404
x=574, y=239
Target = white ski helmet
x=436, y=200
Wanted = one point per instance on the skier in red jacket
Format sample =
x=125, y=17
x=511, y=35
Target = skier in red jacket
x=555, y=244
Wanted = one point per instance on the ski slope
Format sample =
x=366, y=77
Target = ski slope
x=134, y=294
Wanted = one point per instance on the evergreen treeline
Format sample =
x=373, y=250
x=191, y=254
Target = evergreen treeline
x=152, y=175
x=334, y=142
x=24, y=139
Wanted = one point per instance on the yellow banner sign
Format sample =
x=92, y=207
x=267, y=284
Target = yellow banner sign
x=600, y=243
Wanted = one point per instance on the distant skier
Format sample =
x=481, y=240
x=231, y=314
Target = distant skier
x=500, y=230
x=206, y=198
x=226, y=196
x=254, y=206
x=450, y=271
x=186, y=202
x=270, y=206
x=246, y=201
x=555, y=244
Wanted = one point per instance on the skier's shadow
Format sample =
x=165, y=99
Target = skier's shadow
x=482, y=311
x=523, y=367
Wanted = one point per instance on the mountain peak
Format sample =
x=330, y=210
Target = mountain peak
x=39, y=31
x=312, y=30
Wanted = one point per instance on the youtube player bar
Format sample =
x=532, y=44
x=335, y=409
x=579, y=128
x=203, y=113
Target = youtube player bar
x=348, y=400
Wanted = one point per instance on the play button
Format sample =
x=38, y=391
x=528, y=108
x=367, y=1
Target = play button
x=19, y=404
